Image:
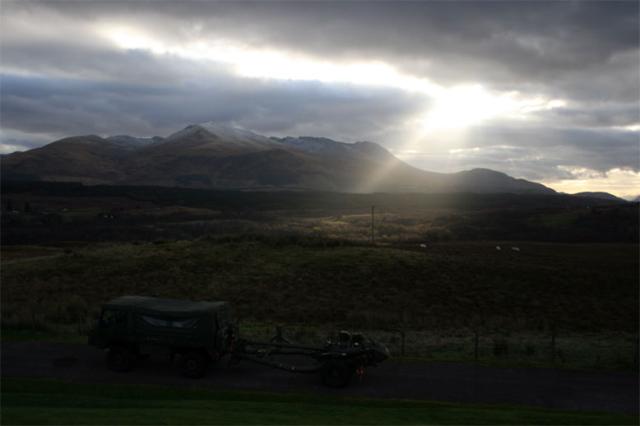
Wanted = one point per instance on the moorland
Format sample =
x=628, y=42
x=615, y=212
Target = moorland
x=498, y=278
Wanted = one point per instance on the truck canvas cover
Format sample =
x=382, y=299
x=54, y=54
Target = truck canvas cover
x=166, y=307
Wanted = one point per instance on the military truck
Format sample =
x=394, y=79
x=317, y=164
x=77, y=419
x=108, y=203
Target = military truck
x=192, y=334
x=196, y=334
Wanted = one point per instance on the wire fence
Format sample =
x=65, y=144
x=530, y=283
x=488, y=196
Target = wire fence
x=602, y=350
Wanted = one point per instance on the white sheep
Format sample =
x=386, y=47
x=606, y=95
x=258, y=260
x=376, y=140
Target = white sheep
x=515, y=248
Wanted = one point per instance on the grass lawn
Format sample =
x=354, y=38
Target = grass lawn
x=54, y=402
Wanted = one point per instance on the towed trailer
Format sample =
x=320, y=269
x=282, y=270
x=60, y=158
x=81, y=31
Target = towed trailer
x=336, y=362
x=197, y=334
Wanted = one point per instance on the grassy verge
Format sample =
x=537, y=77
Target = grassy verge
x=30, y=335
x=54, y=402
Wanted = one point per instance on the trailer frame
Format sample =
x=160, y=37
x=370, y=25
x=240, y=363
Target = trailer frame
x=337, y=361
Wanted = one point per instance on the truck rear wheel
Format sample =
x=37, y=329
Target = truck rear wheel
x=193, y=364
x=336, y=374
x=120, y=358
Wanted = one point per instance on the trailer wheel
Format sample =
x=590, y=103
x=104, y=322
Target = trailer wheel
x=193, y=364
x=336, y=374
x=120, y=358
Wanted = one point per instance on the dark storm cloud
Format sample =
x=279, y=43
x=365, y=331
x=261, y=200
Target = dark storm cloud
x=594, y=149
x=61, y=76
x=596, y=115
x=66, y=106
x=501, y=43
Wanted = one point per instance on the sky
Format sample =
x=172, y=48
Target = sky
x=547, y=90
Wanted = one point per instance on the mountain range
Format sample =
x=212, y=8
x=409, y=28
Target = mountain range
x=217, y=156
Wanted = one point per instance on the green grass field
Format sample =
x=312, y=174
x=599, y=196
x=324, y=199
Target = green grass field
x=54, y=402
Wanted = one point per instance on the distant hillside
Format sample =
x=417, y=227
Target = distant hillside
x=599, y=195
x=214, y=156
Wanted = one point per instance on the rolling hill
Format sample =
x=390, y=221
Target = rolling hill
x=600, y=195
x=217, y=156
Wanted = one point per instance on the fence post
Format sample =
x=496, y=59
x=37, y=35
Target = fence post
x=553, y=342
x=476, y=341
x=373, y=235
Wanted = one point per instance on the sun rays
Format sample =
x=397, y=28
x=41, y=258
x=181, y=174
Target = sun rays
x=443, y=126
x=451, y=108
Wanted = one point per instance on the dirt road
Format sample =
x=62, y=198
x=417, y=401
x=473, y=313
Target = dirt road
x=568, y=390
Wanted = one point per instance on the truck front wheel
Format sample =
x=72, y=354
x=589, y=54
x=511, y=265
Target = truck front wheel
x=120, y=358
x=193, y=364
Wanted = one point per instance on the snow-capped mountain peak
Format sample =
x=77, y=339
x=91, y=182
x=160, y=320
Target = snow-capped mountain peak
x=228, y=132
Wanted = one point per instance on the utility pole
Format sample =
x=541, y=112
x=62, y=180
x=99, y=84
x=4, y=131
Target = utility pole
x=373, y=237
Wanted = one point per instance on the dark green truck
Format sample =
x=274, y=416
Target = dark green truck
x=195, y=334
x=192, y=334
